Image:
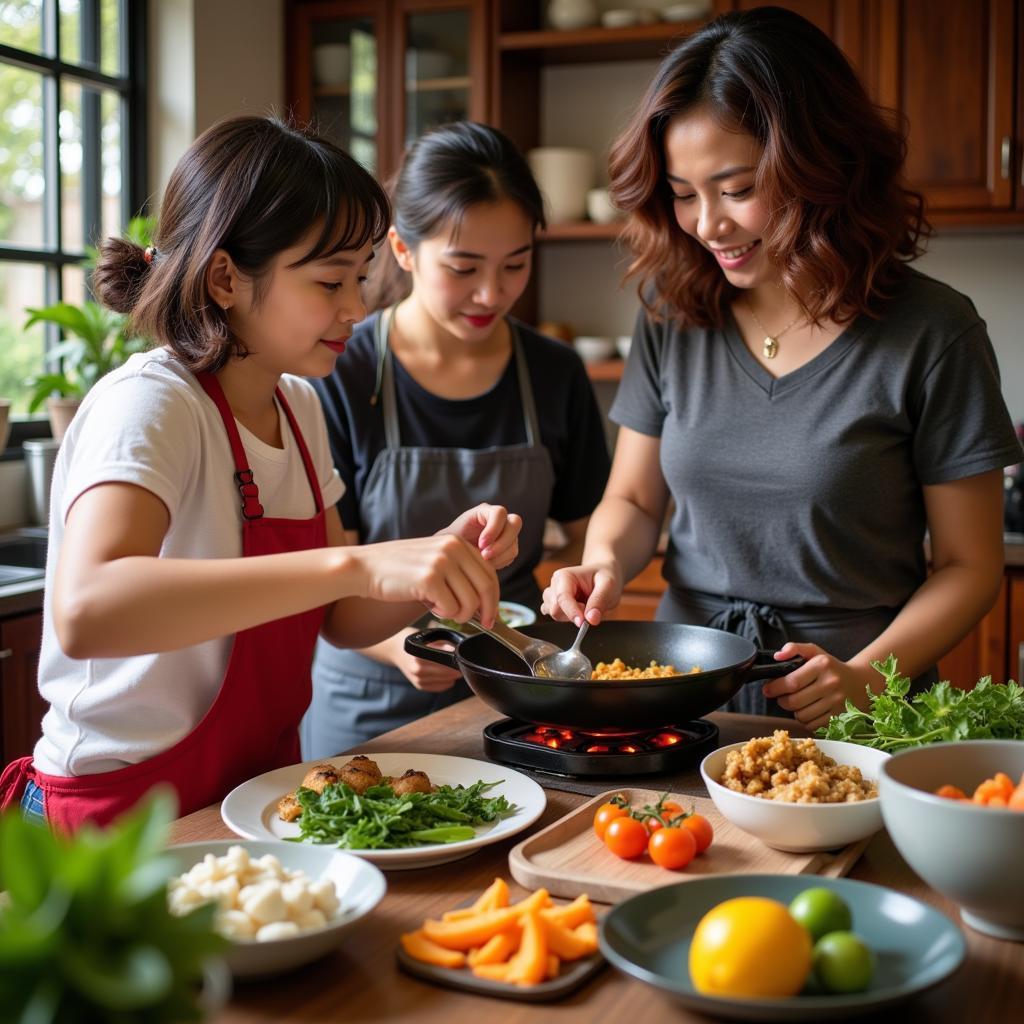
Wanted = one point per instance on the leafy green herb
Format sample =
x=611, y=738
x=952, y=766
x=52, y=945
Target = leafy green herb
x=380, y=820
x=940, y=713
x=85, y=931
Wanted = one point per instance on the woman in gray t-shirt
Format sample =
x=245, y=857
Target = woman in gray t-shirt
x=811, y=405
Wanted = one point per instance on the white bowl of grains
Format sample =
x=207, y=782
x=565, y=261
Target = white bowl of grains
x=797, y=795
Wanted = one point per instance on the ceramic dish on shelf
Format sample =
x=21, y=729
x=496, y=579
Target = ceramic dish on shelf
x=593, y=349
x=800, y=828
x=358, y=885
x=648, y=938
x=250, y=810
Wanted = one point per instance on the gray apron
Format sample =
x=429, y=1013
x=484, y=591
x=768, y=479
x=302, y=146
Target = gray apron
x=841, y=632
x=413, y=492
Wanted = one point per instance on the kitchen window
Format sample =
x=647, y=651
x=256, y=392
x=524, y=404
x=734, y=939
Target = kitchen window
x=72, y=163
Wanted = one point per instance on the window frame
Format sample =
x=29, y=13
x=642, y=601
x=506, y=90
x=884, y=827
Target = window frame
x=131, y=87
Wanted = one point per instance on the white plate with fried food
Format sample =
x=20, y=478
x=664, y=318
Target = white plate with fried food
x=254, y=809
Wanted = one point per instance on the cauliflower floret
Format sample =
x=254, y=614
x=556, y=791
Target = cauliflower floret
x=277, y=930
x=264, y=902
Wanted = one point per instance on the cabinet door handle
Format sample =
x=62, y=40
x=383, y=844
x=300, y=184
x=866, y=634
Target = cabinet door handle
x=1005, y=150
x=7, y=652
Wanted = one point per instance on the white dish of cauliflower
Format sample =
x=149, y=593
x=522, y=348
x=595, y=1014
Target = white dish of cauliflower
x=281, y=905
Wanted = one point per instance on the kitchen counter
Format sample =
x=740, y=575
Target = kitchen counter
x=362, y=981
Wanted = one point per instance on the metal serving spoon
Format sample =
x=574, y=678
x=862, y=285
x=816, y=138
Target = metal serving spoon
x=570, y=664
x=544, y=659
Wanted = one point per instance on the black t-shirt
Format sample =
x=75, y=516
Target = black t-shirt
x=570, y=422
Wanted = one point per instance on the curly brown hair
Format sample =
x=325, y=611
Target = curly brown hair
x=831, y=172
x=253, y=186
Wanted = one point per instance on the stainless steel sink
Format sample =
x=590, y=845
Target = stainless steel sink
x=22, y=555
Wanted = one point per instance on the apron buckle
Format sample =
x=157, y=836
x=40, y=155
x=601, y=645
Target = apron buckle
x=251, y=507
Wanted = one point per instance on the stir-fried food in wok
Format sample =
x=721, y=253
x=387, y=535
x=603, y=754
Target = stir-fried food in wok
x=617, y=669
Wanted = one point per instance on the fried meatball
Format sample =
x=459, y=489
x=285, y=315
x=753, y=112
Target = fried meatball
x=319, y=776
x=288, y=808
x=360, y=774
x=411, y=782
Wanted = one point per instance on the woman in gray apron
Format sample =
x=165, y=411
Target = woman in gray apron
x=811, y=405
x=442, y=397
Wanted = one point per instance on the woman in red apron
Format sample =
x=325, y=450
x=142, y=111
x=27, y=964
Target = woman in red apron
x=166, y=658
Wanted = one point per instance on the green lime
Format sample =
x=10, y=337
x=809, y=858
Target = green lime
x=843, y=963
x=821, y=911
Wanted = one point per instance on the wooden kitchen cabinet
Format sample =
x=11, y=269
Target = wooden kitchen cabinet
x=410, y=65
x=1015, y=646
x=21, y=707
x=953, y=69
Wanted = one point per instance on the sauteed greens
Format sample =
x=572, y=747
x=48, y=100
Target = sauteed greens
x=380, y=820
x=943, y=712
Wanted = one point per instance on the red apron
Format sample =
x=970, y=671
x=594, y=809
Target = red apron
x=252, y=726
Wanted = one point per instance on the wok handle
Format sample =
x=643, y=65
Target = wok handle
x=416, y=644
x=766, y=667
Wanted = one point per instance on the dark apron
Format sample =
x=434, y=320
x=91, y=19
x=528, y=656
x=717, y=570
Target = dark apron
x=414, y=492
x=840, y=632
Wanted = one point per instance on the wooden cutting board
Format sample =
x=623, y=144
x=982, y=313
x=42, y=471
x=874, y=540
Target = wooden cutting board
x=567, y=859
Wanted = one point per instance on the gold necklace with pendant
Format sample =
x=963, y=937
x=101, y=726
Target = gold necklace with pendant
x=770, y=345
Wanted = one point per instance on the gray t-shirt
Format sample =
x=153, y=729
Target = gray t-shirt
x=804, y=491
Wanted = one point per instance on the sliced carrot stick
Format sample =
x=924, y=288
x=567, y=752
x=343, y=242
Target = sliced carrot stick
x=572, y=914
x=497, y=949
x=419, y=947
x=951, y=792
x=530, y=962
x=492, y=972
x=472, y=931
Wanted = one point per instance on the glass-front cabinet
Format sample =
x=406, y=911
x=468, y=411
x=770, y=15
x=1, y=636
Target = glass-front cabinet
x=373, y=75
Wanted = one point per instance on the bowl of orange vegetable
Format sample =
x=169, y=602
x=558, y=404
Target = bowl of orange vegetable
x=956, y=813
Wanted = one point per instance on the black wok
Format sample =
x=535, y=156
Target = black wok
x=502, y=680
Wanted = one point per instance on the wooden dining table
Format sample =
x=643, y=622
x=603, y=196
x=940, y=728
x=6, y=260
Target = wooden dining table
x=362, y=982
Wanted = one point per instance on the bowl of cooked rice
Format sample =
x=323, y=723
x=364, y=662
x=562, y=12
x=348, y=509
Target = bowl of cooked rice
x=797, y=795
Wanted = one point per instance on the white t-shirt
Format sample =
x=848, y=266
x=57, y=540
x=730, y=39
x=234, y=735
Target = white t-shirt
x=150, y=423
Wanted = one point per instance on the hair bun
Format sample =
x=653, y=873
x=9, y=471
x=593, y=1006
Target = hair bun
x=120, y=273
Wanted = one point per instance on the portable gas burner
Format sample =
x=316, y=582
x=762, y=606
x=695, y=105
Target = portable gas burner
x=575, y=752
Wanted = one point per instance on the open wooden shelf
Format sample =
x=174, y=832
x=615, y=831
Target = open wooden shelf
x=437, y=84
x=605, y=369
x=580, y=231
x=636, y=42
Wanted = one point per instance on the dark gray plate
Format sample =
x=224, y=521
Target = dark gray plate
x=648, y=937
x=570, y=977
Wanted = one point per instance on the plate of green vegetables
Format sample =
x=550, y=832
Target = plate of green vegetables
x=473, y=803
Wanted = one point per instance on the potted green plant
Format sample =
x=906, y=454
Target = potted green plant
x=96, y=341
x=85, y=929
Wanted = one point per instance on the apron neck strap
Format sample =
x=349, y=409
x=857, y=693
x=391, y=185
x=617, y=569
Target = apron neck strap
x=386, y=383
x=251, y=507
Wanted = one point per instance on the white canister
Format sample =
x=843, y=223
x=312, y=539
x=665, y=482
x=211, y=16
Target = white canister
x=600, y=208
x=564, y=175
x=570, y=14
x=332, y=63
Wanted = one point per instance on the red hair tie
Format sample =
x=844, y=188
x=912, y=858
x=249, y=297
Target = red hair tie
x=148, y=253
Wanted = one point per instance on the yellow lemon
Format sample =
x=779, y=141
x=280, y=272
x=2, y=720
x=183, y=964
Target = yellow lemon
x=749, y=947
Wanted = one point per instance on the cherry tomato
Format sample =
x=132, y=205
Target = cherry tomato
x=653, y=824
x=669, y=809
x=701, y=829
x=604, y=816
x=625, y=837
x=672, y=847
